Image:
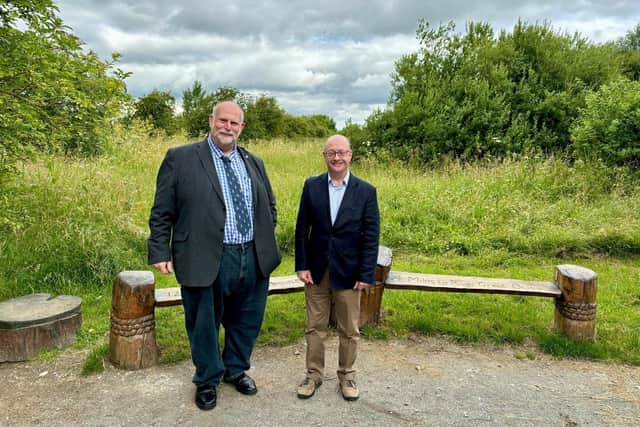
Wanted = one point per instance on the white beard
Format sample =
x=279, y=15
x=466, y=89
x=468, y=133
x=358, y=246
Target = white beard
x=225, y=140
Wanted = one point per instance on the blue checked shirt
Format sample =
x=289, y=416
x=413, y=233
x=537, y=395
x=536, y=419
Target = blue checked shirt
x=231, y=234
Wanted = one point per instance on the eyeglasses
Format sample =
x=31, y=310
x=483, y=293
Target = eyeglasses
x=340, y=153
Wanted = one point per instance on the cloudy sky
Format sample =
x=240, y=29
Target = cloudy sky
x=315, y=57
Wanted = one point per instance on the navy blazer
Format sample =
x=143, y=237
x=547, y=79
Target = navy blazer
x=188, y=215
x=349, y=247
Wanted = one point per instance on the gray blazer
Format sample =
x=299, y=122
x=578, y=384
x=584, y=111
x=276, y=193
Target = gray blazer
x=188, y=215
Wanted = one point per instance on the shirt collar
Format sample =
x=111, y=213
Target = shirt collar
x=345, y=180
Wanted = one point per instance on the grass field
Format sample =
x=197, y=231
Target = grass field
x=69, y=226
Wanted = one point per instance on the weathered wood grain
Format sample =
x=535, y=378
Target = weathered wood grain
x=469, y=284
x=132, y=340
x=575, y=311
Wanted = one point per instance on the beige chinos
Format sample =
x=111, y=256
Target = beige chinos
x=318, y=299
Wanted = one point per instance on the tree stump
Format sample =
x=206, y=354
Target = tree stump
x=132, y=341
x=371, y=298
x=575, y=313
x=34, y=323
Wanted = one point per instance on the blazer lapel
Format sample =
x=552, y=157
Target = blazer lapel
x=204, y=153
x=323, y=192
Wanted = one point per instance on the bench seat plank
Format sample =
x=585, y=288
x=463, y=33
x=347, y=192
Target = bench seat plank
x=446, y=283
x=285, y=285
x=166, y=297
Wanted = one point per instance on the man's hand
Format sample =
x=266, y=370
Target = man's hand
x=361, y=285
x=305, y=277
x=165, y=267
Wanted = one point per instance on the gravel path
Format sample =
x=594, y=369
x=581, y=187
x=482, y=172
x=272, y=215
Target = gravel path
x=415, y=382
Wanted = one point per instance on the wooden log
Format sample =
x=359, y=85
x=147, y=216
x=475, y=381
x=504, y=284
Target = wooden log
x=34, y=323
x=132, y=341
x=575, y=313
x=371, y=298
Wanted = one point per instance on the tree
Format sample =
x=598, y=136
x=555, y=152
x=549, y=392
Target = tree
x=196, y=105
x=53, y=96
x=227, y=93
x=263, y=118
x=631, y=40
x=630, y=46
x=157, y=108
x=321, y=125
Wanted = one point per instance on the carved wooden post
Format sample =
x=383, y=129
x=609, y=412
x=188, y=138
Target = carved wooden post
x=575, y=314
x=371, y=299
x=132, y=340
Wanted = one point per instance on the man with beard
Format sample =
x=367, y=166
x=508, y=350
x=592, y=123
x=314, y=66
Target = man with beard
x=336, y=242
x=213, y=223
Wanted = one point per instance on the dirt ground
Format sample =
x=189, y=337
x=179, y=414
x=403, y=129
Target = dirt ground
x=414, y=382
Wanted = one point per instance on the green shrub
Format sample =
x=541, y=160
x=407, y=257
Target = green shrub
x=479, y=95
x=609, y=126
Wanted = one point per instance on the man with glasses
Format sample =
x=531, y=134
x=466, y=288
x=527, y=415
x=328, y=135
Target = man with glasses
x=213, y=222
x=336, y=244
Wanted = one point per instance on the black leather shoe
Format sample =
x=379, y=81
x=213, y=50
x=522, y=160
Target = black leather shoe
x=244, y=384
x=206, y=397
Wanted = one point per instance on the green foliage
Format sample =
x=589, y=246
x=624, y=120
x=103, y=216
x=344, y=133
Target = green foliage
x=630, y=46
x=358, y=137
x=609, y=126
x=54, y=96
x=314, y=126
x=157, y=109
x=631, y=41
x=196, y=105
x=631, y=65
x=264, y=118
x=477, y=95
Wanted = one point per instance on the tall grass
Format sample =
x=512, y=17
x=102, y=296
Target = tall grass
x=69, y=226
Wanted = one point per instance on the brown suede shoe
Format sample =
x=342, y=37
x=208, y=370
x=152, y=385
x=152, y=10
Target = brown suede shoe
x=307, y=388
x=349, y=390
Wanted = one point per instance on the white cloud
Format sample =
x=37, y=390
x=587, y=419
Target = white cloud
x=331, y=57
x=371, y=80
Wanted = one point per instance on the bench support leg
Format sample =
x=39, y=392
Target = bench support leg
x=575, y=312
x=371, y=298
x=132, y=341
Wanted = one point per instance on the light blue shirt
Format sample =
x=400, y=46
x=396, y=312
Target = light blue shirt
x=336, y=194
x=231, y=233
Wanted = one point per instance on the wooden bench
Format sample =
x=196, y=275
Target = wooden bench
x=574, y=292
x=134, y=298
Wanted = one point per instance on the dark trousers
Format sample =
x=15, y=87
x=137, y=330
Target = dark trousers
x=236, y=300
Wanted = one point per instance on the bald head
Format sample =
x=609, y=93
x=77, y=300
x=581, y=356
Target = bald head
x=338, y=140
x=228, y=106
